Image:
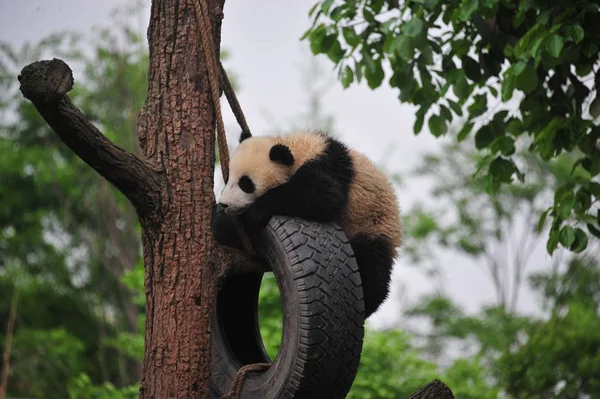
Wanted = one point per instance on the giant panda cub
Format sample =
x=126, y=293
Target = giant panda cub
x=315, y=177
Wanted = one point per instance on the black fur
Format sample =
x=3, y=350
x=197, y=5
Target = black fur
x=244, y=135
x=375, y=261
x=224, y=230
x=318, y=191
x=282, y=154
x=246, y=184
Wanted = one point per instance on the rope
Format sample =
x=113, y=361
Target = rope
x=238, y=381
x=233, y=101
x=216, y=70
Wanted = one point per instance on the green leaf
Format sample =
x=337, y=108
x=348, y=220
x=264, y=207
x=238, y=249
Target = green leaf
x=471, y=68
x=502, y=169
x=387, y=43
x=518, y=68
x=581, y=241
x=468, y=7
x=374, y=74
x=335, y=52
x=368, y=16
x=595, y=107
x=566, y=206
x=337, y=13
x=427, y=55
x=414, y=27
x=575, y=33
x=347, y=77
x=508, y=87
x=445, y=112
x=527, y=81
x=350, y=36
x=403, y=46
x=358, y=71
x=419, y=121
x=542, y=221
x=484, y=137
x=506, y=145
x=319, y=41
x=479, y=105
x=455, y=107
x=567, y=236
x=376, y=5
x=552, y=241
x=326, y=5
x=554, y=46
x=437, y=125
x=466, y=129
x=461, y=88
x=594, y=188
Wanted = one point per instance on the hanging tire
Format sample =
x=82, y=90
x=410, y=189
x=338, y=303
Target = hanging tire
x=323, y=310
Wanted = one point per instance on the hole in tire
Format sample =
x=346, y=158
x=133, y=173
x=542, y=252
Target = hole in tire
x=270, y=314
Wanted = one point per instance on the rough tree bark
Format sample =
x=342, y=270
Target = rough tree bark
x=176, y=129
x=171, y=190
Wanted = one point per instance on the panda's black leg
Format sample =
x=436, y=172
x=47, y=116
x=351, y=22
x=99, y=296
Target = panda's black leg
x=375, y=261
x=224, y=230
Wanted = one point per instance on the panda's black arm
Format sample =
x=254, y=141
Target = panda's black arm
x=311, y=194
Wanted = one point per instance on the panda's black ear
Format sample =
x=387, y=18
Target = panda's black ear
x=282, y=154
x=244, y=135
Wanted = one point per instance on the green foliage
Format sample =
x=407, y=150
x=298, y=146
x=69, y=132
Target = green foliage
x=44, y=359
x=455, y=59
x=81, y=387
x=470, y=379
x=523, y=357
x=560, y=356
x=469, y=220
x=390, y=367
x=270, y=314
x=66, y=235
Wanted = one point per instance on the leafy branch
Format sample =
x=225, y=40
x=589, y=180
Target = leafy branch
x=453, y=59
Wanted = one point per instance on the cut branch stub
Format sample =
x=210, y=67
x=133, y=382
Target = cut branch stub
x=45, y=84
x=434, y=390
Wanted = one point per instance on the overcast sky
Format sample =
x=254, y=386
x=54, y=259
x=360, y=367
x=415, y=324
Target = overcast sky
x=263, y=38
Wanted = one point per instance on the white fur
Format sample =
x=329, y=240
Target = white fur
x=234, y=198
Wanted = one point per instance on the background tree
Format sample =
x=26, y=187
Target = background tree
x=476, y=60
x=68, y=236
x=526, y=355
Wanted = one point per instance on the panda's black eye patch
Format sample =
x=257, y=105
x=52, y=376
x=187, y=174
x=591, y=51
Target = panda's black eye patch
x=246, y=184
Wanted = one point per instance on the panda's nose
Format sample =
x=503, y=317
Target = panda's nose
x=223, y=205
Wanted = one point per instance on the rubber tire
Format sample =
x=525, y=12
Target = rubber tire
x=323, y=326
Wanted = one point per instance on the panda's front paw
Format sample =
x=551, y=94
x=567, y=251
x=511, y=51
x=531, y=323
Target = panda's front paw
x=224, y=230
x=255, y=220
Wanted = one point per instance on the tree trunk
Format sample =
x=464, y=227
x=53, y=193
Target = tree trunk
x=171, y=190
x=176, y=129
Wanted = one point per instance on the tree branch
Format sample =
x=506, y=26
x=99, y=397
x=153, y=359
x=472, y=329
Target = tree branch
x=434, y=390
x=45, y=84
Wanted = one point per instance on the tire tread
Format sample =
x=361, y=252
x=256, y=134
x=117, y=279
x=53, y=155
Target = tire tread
x=331, y=325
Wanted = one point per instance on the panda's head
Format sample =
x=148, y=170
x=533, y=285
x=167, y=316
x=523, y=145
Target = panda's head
x=257, y=165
